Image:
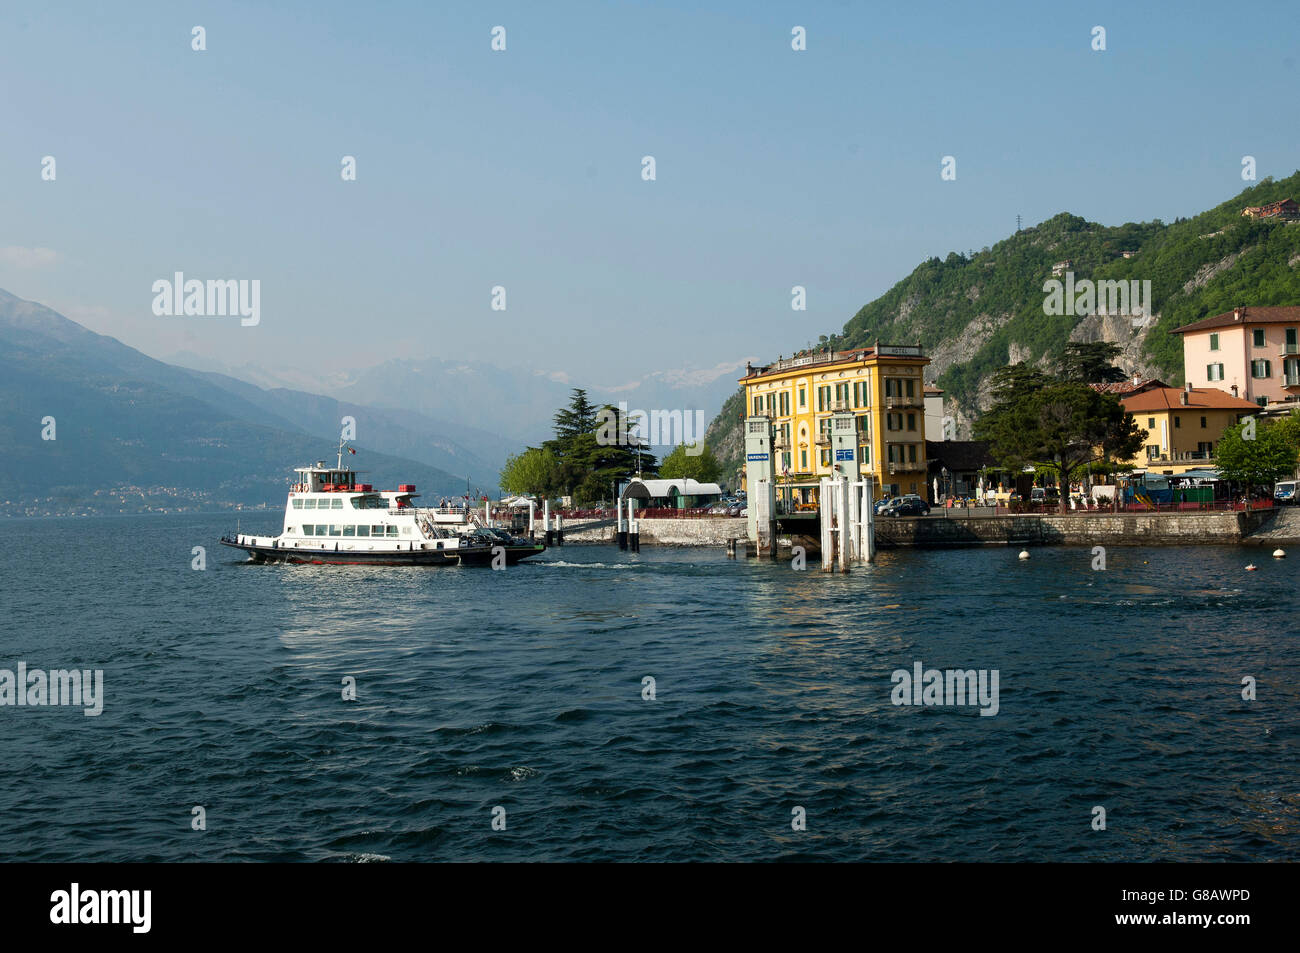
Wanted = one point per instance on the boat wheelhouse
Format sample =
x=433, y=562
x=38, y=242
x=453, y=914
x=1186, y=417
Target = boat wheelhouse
x=332, y=517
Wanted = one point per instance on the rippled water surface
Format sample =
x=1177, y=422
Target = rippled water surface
x=523, y=689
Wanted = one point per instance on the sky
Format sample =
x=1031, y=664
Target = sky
x=523, y=168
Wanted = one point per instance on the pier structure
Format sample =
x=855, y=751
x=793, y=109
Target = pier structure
x=846, y=501
x=848, y=523
x=629, y=527
x=761, y=484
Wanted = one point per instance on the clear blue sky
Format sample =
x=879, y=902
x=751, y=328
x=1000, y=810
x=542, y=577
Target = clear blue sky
x=522, y=168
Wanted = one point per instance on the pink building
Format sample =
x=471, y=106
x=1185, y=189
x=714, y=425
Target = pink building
x=1250, y=352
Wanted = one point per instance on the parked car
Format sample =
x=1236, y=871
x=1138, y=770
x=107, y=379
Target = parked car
x=1284, y=492
x=906, y=506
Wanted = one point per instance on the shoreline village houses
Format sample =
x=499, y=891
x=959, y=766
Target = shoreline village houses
x=1183, y=425
x=1252, y=352
x=680, y=494
x=882, y=386
x=1287, y=210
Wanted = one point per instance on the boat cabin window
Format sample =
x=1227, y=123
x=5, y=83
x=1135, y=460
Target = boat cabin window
x=297, y=503
x=372, y=532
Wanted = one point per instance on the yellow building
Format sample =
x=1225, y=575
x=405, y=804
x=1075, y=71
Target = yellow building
x=882, y=386
x=1183, y=426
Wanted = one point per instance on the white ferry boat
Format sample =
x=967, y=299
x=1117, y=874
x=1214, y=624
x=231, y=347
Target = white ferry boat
x=330, y=517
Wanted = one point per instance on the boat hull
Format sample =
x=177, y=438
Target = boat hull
x=462, y=556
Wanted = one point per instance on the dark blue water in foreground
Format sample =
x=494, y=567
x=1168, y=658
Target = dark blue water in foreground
x=522, y=689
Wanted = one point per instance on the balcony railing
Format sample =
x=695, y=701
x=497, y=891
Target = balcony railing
x=912, y=467
x=892, y=402
x=1183, y=457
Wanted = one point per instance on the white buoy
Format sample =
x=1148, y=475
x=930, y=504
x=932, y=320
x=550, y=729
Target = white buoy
x=1279, y=554
x=1024, y=554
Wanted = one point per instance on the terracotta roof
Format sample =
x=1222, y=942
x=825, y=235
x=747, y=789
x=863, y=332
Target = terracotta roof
x=1288, y=315
x=1170, y=398
x=1130, y=386
x=931, y=389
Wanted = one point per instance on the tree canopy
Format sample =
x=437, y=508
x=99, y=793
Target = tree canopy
x=591, y=451
x=1038, y=421
x=681, y=464
x=1258, y=453
x=1089, y=362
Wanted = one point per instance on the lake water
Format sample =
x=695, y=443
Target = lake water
x=523, y=690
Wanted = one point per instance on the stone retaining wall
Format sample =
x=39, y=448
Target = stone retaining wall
x=1116, y=529
x=1112, y=529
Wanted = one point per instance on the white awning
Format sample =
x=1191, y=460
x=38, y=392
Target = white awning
x=663, y=489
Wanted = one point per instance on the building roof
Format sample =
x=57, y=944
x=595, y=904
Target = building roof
x=959, y=455
x=932, y=391
x=644, y=489
x=1272, y=208
x=1134, y=385
x=1160, y=399
x=1239, y=317
x=820, y=359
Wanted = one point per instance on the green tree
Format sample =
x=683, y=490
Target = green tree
x=681, y=464
x=533, y=471
x=1089, y=362
x=1261, y=461
x=1061, y=424
x=592, y=450
x=578, y=418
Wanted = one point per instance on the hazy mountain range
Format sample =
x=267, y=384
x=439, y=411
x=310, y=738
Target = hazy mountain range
x=492, y=411
x=134, y=433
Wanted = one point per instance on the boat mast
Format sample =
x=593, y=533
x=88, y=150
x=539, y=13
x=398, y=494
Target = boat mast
x=342, y=446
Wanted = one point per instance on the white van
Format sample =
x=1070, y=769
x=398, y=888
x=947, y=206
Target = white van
x=1284, y=492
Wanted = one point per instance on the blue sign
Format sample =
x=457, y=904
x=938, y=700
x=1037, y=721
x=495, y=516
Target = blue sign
x=757, y=456
x=843, y=454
